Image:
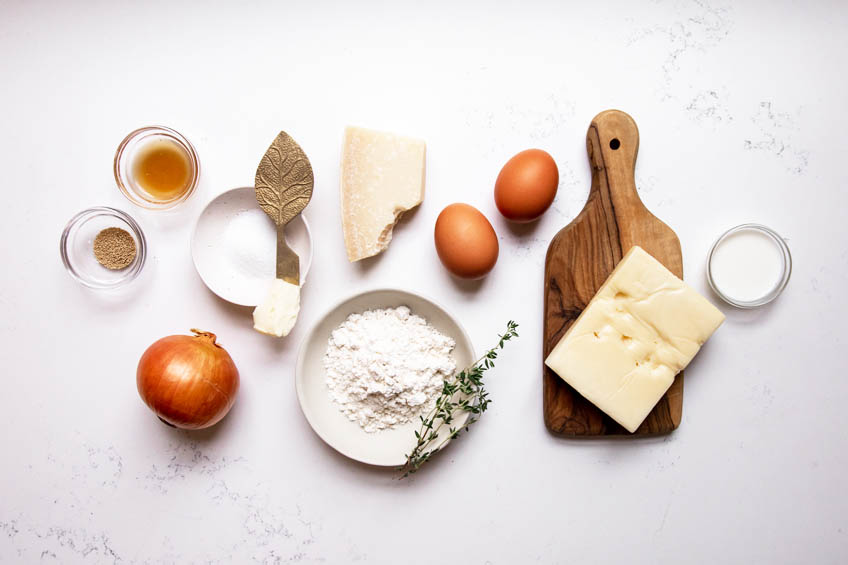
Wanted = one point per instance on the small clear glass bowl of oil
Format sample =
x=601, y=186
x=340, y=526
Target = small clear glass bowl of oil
x=156, y=168
x=77, y=248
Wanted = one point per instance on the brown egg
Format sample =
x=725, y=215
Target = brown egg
x=526, y=185
x=465, y=241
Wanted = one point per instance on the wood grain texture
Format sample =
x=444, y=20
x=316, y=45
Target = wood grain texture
x=580, y=258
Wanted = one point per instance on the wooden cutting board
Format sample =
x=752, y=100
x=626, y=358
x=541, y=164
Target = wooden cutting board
x=584, y=253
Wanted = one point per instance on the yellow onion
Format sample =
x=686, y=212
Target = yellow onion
x=189, y=381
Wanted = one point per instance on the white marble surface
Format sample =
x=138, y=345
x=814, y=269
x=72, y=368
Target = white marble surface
x=741, y=112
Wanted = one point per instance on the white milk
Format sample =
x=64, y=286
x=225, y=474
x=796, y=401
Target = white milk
x=747, y=265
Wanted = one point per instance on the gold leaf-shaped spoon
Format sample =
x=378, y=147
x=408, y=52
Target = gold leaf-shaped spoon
x=284, y=183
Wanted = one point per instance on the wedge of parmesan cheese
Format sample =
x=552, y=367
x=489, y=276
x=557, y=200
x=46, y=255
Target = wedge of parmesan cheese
x=382, y=176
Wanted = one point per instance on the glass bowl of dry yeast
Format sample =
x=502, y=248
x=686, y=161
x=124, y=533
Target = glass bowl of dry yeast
x=103, y=248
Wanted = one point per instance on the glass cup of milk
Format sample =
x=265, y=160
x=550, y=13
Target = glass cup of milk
x=749, y=266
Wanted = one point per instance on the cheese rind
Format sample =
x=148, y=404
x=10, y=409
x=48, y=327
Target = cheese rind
x=278, y=314
x=382, y=176
x=642, y=327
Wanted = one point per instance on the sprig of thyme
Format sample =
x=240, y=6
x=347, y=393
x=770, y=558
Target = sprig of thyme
x=463, y=392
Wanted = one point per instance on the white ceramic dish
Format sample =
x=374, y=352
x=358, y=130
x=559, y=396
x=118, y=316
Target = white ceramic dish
x=234, y=247
x=386, y=447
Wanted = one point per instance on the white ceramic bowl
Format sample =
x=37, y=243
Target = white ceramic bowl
x=234, y=247
x=386, y=447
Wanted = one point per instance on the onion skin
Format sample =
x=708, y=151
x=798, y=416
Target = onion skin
x=190, y=382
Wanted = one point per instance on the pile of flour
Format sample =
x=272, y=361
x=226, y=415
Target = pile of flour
x=386, y=366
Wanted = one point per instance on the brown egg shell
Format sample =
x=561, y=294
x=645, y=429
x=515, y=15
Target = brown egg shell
x=465, y=241
x=526, y=185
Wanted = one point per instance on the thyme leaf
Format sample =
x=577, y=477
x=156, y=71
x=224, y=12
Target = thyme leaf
x=462, y=392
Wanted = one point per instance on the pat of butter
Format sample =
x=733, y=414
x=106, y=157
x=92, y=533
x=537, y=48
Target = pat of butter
x=642, y=327
x=277, y=315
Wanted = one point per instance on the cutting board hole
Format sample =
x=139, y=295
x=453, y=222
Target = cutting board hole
x=614, y=143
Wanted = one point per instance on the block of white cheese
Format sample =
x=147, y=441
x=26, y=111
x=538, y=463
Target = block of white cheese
x=642, y=327
x=277, y=315
x=382, y=176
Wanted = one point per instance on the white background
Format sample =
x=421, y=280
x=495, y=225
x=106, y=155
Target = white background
x=741, y=114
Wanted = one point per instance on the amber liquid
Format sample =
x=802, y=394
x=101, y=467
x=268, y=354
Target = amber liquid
x=163, y=169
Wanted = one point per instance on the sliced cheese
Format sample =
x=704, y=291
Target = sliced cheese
x=277, y=315
x=642, y=327
x=382, y=176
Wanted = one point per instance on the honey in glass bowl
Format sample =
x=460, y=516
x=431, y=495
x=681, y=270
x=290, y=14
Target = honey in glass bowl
x=162, y=168
x=156, y=167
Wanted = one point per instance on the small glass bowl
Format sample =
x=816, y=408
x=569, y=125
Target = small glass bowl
x=77, y=248
x=125, y=157
x=786, y=267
